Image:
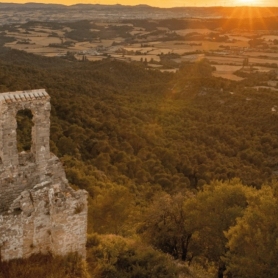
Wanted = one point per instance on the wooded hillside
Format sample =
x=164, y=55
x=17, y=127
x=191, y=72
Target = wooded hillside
x=144, y=144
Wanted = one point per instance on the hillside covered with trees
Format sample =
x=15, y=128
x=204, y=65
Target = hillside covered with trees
x=179, y=167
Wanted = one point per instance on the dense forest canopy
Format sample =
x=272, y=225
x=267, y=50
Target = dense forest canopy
x=151, y=128
x=149, y=148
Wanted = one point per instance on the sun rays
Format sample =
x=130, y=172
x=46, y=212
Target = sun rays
x=248, y=17
x=253, y=3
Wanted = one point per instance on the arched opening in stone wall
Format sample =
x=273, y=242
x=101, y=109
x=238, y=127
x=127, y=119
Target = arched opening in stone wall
x=24, y=130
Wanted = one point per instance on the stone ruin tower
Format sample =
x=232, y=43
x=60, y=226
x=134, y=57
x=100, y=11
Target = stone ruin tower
x=39, y=211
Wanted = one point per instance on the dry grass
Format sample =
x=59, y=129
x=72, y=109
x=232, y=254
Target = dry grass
x=270, y=37
x=238, y=37
x=188, y=31
x=257, y=54
x=226, y=71
x=226, y=75
x=225, y=60
x=45, y=266
x=262, y=60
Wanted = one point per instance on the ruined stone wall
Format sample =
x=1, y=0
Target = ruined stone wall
x=39, y=212
x=44, y=219
x=15, y=176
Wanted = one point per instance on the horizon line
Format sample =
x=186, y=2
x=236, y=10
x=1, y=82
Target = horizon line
x=135, y=5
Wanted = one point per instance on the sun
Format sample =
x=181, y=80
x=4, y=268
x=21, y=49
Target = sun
x=248, y=2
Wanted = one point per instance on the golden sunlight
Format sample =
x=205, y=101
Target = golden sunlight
x=248, y=2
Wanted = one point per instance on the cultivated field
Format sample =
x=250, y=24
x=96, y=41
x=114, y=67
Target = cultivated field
x=225, y=51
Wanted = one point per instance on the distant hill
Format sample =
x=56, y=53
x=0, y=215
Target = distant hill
x=20, y=13
x=30, y=6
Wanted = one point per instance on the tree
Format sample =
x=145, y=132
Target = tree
x=212, y=211
x=164, y=227
x=252, y=241
x=111, y=209
x=245, y=62
x=66, y=145
x=113, y=256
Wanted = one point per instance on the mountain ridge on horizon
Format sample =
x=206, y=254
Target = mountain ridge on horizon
x=20, y=13
x=12, y=4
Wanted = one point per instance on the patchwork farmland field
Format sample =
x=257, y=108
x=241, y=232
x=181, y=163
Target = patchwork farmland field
x=159, y=47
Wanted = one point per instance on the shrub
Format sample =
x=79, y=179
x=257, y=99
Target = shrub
x=113, y=256
x=45, y=266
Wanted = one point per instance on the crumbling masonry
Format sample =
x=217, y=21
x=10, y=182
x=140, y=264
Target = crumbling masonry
x=39, y=211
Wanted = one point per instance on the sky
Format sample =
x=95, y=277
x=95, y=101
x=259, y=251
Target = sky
x=160, y=3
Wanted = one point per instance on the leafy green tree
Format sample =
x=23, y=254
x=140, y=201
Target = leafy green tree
x=252, y=241
x=102, y=161
x=113, y=256
x=164, y=226
x=66, y=145
x=111, y=209
x=212, y=211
